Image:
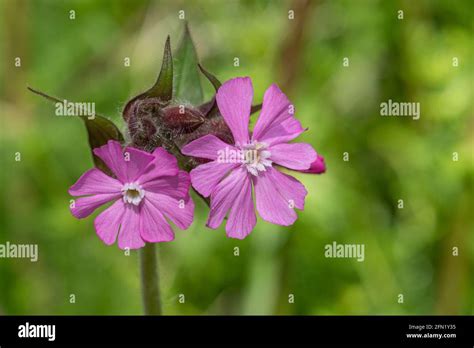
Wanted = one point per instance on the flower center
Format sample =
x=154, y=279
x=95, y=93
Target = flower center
x=133, y=193
x=256, y=157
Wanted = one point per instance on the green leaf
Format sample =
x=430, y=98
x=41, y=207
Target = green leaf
x=99, y=130
x=163, y=88
x=187, y=83
x=212, y=79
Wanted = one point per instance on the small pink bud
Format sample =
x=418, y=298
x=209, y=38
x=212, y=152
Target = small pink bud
x=317, y=167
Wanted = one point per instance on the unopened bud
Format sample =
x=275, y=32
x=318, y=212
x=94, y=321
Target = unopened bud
x=183, y=119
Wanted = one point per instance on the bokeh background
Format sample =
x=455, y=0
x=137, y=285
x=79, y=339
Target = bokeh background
x=407, y=251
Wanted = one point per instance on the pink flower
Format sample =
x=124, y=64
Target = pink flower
x=252, y=161
x=148, y=190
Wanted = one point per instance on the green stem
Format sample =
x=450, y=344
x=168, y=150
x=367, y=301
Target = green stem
x=150, y=280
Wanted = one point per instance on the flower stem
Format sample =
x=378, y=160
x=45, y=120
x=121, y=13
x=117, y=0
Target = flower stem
x=150, y=280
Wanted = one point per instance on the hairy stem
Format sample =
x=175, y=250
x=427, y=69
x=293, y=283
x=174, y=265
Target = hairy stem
x=150, y=280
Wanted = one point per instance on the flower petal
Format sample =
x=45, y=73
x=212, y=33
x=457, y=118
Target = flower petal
x=179, y=211
x=293, y=191
x=127, y=165
x=94, y=181
x=85, y=206
x=129, y=235
x=136, y=161
x=107, y=223
x=153, y=226
x=317, y=167
x=234, y=99
x=111, y=154
x=271, y=204
x=173, y=186
x=233, y=193
x=284, y=132
x=297, y=156
x=242, y=218
x=207, y=146
x=206, y=176
x=164, y=164
x=276, y=123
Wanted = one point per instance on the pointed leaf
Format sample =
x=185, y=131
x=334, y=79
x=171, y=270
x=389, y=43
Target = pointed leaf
x=215, y=82
x=163, y=88
x=187, y=83
x=99, y=130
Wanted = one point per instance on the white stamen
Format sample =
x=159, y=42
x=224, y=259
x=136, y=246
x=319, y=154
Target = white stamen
x=256, y=157
x=133, y=193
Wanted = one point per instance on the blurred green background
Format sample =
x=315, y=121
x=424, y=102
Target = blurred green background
x=407, y=251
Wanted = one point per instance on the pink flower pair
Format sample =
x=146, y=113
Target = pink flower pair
x=150, y=188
